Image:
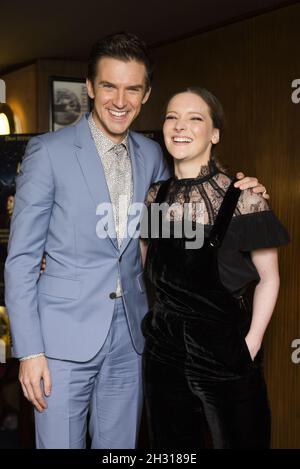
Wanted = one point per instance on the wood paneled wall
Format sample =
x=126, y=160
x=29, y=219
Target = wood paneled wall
x=21, y=95
x=28, y=91
x=250, y=66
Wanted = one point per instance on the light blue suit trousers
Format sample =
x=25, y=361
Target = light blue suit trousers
x=108, y=387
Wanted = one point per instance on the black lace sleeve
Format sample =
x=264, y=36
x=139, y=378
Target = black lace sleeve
x=152, y=193
x=258, y=227
x=150, y=198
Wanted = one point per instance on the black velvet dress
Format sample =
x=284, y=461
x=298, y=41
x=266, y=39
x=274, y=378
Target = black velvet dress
x=202, y=388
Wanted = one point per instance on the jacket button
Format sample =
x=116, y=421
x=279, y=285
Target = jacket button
x=112, y=296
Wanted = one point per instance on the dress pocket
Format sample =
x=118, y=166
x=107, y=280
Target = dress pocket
x=234, y=352
x=258, y=357
x=247, y=351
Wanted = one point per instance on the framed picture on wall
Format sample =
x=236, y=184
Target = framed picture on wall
x=68, y=101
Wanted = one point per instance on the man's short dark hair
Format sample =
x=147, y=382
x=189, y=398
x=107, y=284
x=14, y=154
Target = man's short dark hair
x=121, y=46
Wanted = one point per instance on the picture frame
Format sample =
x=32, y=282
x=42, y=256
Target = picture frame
x=69, y=100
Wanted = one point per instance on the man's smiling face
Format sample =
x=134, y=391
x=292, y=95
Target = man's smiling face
x=119, y=90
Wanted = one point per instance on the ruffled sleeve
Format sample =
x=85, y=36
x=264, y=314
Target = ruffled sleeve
x=260, y=230
x=257, y=226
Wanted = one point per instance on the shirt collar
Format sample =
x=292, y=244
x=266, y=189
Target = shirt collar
x=104, y=143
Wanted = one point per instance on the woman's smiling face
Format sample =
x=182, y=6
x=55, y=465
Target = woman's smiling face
x=188, y=128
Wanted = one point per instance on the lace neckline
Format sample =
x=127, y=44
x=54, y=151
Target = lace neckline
x=206, y=172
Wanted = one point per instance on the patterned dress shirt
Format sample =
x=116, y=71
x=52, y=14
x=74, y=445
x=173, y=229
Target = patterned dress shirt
x=118, y=173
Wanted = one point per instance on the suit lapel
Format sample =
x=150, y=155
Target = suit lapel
x=93, y=171
x=138, y=176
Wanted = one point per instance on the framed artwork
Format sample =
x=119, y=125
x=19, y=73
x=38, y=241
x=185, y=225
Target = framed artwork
x=68, y=101
x=12, y=149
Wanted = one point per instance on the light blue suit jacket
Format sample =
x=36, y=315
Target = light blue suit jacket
x=66, y=312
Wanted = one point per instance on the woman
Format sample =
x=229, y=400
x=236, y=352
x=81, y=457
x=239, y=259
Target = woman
x=202, y=363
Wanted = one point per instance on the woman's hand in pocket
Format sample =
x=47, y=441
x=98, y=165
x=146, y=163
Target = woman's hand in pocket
x=253, y=345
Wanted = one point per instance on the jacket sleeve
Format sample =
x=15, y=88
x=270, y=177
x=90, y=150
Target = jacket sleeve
x=30, y=221
x=161, y=169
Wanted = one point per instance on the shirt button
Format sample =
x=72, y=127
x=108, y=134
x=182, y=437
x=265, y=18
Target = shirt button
x=112, y=295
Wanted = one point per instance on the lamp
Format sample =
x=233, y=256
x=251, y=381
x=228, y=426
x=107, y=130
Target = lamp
x=7, y=123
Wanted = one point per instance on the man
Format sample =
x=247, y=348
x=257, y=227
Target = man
x=76, y=328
